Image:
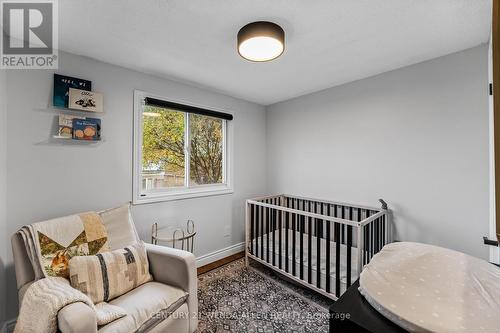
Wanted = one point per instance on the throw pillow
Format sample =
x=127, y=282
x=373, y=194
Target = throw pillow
x=110, y=274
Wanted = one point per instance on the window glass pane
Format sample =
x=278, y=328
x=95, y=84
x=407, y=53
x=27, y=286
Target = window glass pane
x=206, y=150
x=163, y=157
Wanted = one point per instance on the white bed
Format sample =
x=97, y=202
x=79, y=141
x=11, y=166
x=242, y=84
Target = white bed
x=343, y=257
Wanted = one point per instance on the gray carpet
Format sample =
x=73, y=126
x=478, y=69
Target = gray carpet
x=234, y=298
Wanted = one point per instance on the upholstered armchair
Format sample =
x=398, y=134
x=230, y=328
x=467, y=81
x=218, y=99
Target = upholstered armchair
x=152, y=307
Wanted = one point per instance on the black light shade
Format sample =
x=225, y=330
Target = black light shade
x=261, y=41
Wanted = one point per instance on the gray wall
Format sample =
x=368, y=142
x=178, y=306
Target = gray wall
x=3, y=188
x=46, y=180
x=417, y=137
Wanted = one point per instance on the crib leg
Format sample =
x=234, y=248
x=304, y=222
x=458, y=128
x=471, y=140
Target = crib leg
x=247, y=231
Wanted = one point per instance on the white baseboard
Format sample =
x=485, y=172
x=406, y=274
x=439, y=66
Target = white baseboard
x=219, y=254
x=8, y=326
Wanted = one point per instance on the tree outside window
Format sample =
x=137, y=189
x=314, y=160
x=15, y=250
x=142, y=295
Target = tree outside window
x=165, y=154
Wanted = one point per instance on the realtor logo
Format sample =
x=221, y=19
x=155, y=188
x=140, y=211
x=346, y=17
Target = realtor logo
x=29, y=36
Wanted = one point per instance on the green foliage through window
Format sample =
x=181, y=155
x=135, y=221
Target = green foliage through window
x=164, y=149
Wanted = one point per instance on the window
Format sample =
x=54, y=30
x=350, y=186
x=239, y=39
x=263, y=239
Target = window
x=180, y=150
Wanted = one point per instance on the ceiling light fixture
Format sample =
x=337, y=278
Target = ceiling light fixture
x=261, y=41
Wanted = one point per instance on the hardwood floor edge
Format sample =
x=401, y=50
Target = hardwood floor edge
x=220, y=262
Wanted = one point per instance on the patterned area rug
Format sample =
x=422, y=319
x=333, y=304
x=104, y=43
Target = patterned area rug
x=234, y=298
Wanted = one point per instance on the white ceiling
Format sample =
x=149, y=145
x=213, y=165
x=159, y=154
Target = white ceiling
x=328, y=42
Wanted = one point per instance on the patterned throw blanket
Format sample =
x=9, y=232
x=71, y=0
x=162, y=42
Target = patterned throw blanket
x=45, y=297
x=50, y=245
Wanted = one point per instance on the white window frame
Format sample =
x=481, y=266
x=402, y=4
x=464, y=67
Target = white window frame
x=185, y=192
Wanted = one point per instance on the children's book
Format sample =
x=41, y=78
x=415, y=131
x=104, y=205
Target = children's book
x=62, y=84
x=87, y=129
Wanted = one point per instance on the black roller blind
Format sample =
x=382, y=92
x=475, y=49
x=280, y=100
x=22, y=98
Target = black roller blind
x=186, y=108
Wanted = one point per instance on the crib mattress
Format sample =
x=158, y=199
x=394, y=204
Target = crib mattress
x=314, y=261
x=425, y=288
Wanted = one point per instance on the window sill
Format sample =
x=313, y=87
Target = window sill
x=194, y=193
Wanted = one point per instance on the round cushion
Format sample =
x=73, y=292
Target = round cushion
x=425, y=288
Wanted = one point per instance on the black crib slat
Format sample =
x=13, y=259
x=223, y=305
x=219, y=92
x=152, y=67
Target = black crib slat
x=372, y=238
x=384, y=240
x=342, y=215
x=294, y=239
x=309, y=245
x=257, y=228
x=349, y=245
x=380, y=233
x=261, y=213
x=369, y=247
x=337, y=259
x=328, y=224
x=318, y=257
x=349, y=249
x=381, y=228
x=273, y=226
x=319, y=226
x=366, y=241
x=280, y=239
x=287, y=227
x=322, y=229
x=358, y=218
x=301, y=267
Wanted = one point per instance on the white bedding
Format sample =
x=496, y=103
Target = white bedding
x=343, y=258
x=425, y=288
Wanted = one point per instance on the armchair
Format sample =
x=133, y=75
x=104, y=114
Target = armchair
x=169, y=303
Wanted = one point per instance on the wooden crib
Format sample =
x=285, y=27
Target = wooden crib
x=320, y=244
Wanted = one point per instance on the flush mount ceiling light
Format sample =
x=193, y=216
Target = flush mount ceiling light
x=261, y=41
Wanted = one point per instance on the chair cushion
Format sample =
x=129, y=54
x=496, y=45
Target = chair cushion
x=146, y=306
x=108, y=275
x=177, y=322
x=119, y=226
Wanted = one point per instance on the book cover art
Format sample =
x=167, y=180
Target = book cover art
x=87, y=129
x=66, y=126
x=62, y=84
x=90, y=101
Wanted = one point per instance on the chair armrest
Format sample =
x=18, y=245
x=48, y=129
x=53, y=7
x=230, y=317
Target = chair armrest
x=172, y=266
x=77, y=318
x=176, y=268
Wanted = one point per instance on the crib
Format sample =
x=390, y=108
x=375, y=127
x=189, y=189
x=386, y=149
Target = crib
x=322, y=245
